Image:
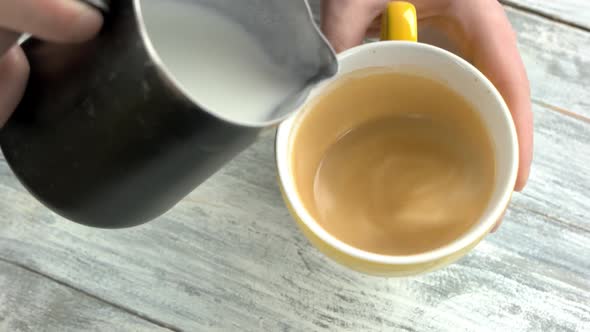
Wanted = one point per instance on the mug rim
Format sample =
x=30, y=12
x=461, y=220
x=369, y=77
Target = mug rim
x=286, y=178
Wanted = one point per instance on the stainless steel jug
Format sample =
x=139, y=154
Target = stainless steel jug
x=108, y=137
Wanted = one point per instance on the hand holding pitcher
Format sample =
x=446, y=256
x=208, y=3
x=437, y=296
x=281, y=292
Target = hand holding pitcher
x=62, y=21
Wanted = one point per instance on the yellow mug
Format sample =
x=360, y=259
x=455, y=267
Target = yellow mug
x=400, y=51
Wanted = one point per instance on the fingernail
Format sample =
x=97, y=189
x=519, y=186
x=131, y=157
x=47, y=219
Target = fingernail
x=520, y=185
x=88, y=22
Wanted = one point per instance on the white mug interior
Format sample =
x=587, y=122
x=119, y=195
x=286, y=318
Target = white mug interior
x=457, y=74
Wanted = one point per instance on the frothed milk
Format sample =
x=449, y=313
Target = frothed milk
x=215, y=61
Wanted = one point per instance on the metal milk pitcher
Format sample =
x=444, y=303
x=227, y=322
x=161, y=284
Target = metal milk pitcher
x=115, y=131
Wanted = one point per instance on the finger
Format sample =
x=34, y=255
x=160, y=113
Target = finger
x=374, y=29
x=499, y=222
x=15, y=71
x=496, y=54
x=345, y=22
x=7, y=40
x=54, y=20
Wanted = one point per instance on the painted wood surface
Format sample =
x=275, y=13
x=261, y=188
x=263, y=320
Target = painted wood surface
x=575, y=12
x=230, y=258
x=557, y=59
x=32, y=302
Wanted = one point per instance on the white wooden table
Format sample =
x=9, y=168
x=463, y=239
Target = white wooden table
x=229, y=257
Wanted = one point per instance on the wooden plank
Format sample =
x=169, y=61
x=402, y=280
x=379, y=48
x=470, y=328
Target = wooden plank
x=559, y=186
x=574, y=12
x=557, y=58
x=31, y=302
x=229, y=256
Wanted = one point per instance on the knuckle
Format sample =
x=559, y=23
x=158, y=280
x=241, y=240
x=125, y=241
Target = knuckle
x=69, y=22
x=64, y=24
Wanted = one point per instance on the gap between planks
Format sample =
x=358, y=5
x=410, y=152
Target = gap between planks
x=516, y=6
x=549, y=217
x=561, y=110
x=554, y=18
x=117, y=306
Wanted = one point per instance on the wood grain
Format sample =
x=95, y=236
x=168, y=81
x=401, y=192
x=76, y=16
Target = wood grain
x=559, y=186
x=574, y=12
x=557, y=58
x=31, y=302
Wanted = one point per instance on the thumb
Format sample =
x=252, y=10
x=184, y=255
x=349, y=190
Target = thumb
x=345, y=22
x=14, y=71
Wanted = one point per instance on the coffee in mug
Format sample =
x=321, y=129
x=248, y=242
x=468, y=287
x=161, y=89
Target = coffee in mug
x=404, y=161
x=393, y=163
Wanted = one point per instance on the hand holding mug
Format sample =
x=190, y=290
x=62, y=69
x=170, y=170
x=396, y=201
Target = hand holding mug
x=404, y=161
x=484, y=36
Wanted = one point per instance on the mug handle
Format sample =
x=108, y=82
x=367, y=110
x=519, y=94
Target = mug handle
x=400, y=22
